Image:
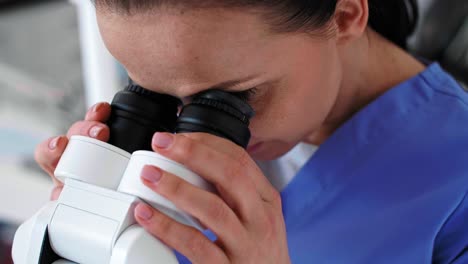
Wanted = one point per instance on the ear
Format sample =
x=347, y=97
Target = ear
x=351, y=17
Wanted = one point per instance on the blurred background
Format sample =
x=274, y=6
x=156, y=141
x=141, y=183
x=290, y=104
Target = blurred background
x=48, y=69
x=53, y=66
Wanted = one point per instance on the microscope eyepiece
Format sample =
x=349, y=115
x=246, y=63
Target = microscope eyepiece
x=219, y=113
x=137, y=113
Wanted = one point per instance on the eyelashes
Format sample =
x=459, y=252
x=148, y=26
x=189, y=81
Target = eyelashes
x=246, y=95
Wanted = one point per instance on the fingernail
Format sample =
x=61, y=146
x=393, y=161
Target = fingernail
x=163, y=140
x=97, y=107
x=93, y=110
x=54, y=143
x=143, y=211
x=94, y=131
x=151, y=173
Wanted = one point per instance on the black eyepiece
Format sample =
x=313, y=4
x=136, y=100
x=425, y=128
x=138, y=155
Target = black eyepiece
x=219, y=113
x=137, y=113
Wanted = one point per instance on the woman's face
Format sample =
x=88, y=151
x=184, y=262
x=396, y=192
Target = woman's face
x=296, y=77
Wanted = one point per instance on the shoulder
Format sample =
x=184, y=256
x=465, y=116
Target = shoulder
x=442, y=146
x=445, y=88
x=417, y=134
x=439, y=124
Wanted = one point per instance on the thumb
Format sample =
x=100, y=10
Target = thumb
x=56, y=192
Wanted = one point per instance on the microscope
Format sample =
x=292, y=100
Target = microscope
x=92, y=222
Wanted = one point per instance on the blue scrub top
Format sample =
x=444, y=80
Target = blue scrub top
x=390, y=185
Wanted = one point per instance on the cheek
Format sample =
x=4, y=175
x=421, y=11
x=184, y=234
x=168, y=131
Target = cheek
x=299, y=106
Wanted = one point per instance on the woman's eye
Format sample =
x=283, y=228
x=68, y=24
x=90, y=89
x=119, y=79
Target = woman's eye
x=246, y=95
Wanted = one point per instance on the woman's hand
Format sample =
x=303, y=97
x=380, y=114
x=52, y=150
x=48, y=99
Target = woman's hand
x=48, y=152
x=246, y=216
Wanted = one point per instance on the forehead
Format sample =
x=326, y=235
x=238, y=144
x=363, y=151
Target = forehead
x=182, y=52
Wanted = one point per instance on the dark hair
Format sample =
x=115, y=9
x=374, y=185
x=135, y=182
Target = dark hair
x=393, y=19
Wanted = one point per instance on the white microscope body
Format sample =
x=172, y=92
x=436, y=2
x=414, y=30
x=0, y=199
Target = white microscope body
x=93, y=222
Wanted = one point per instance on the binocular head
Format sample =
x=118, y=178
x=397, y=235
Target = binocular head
x=137, y=113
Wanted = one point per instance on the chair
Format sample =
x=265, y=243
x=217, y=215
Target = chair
x=442, y=35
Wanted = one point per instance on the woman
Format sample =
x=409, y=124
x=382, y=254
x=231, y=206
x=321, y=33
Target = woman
x=388, y=183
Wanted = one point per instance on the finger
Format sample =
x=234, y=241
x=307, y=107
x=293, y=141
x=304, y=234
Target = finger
x=207, y=207
x=237, y=153
x=228, y=175
x=187, y=240
x=219, y=143
x=235, y=176
x=56, y=192
x=99, y=112
x=92, y=129
x=48, y=153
